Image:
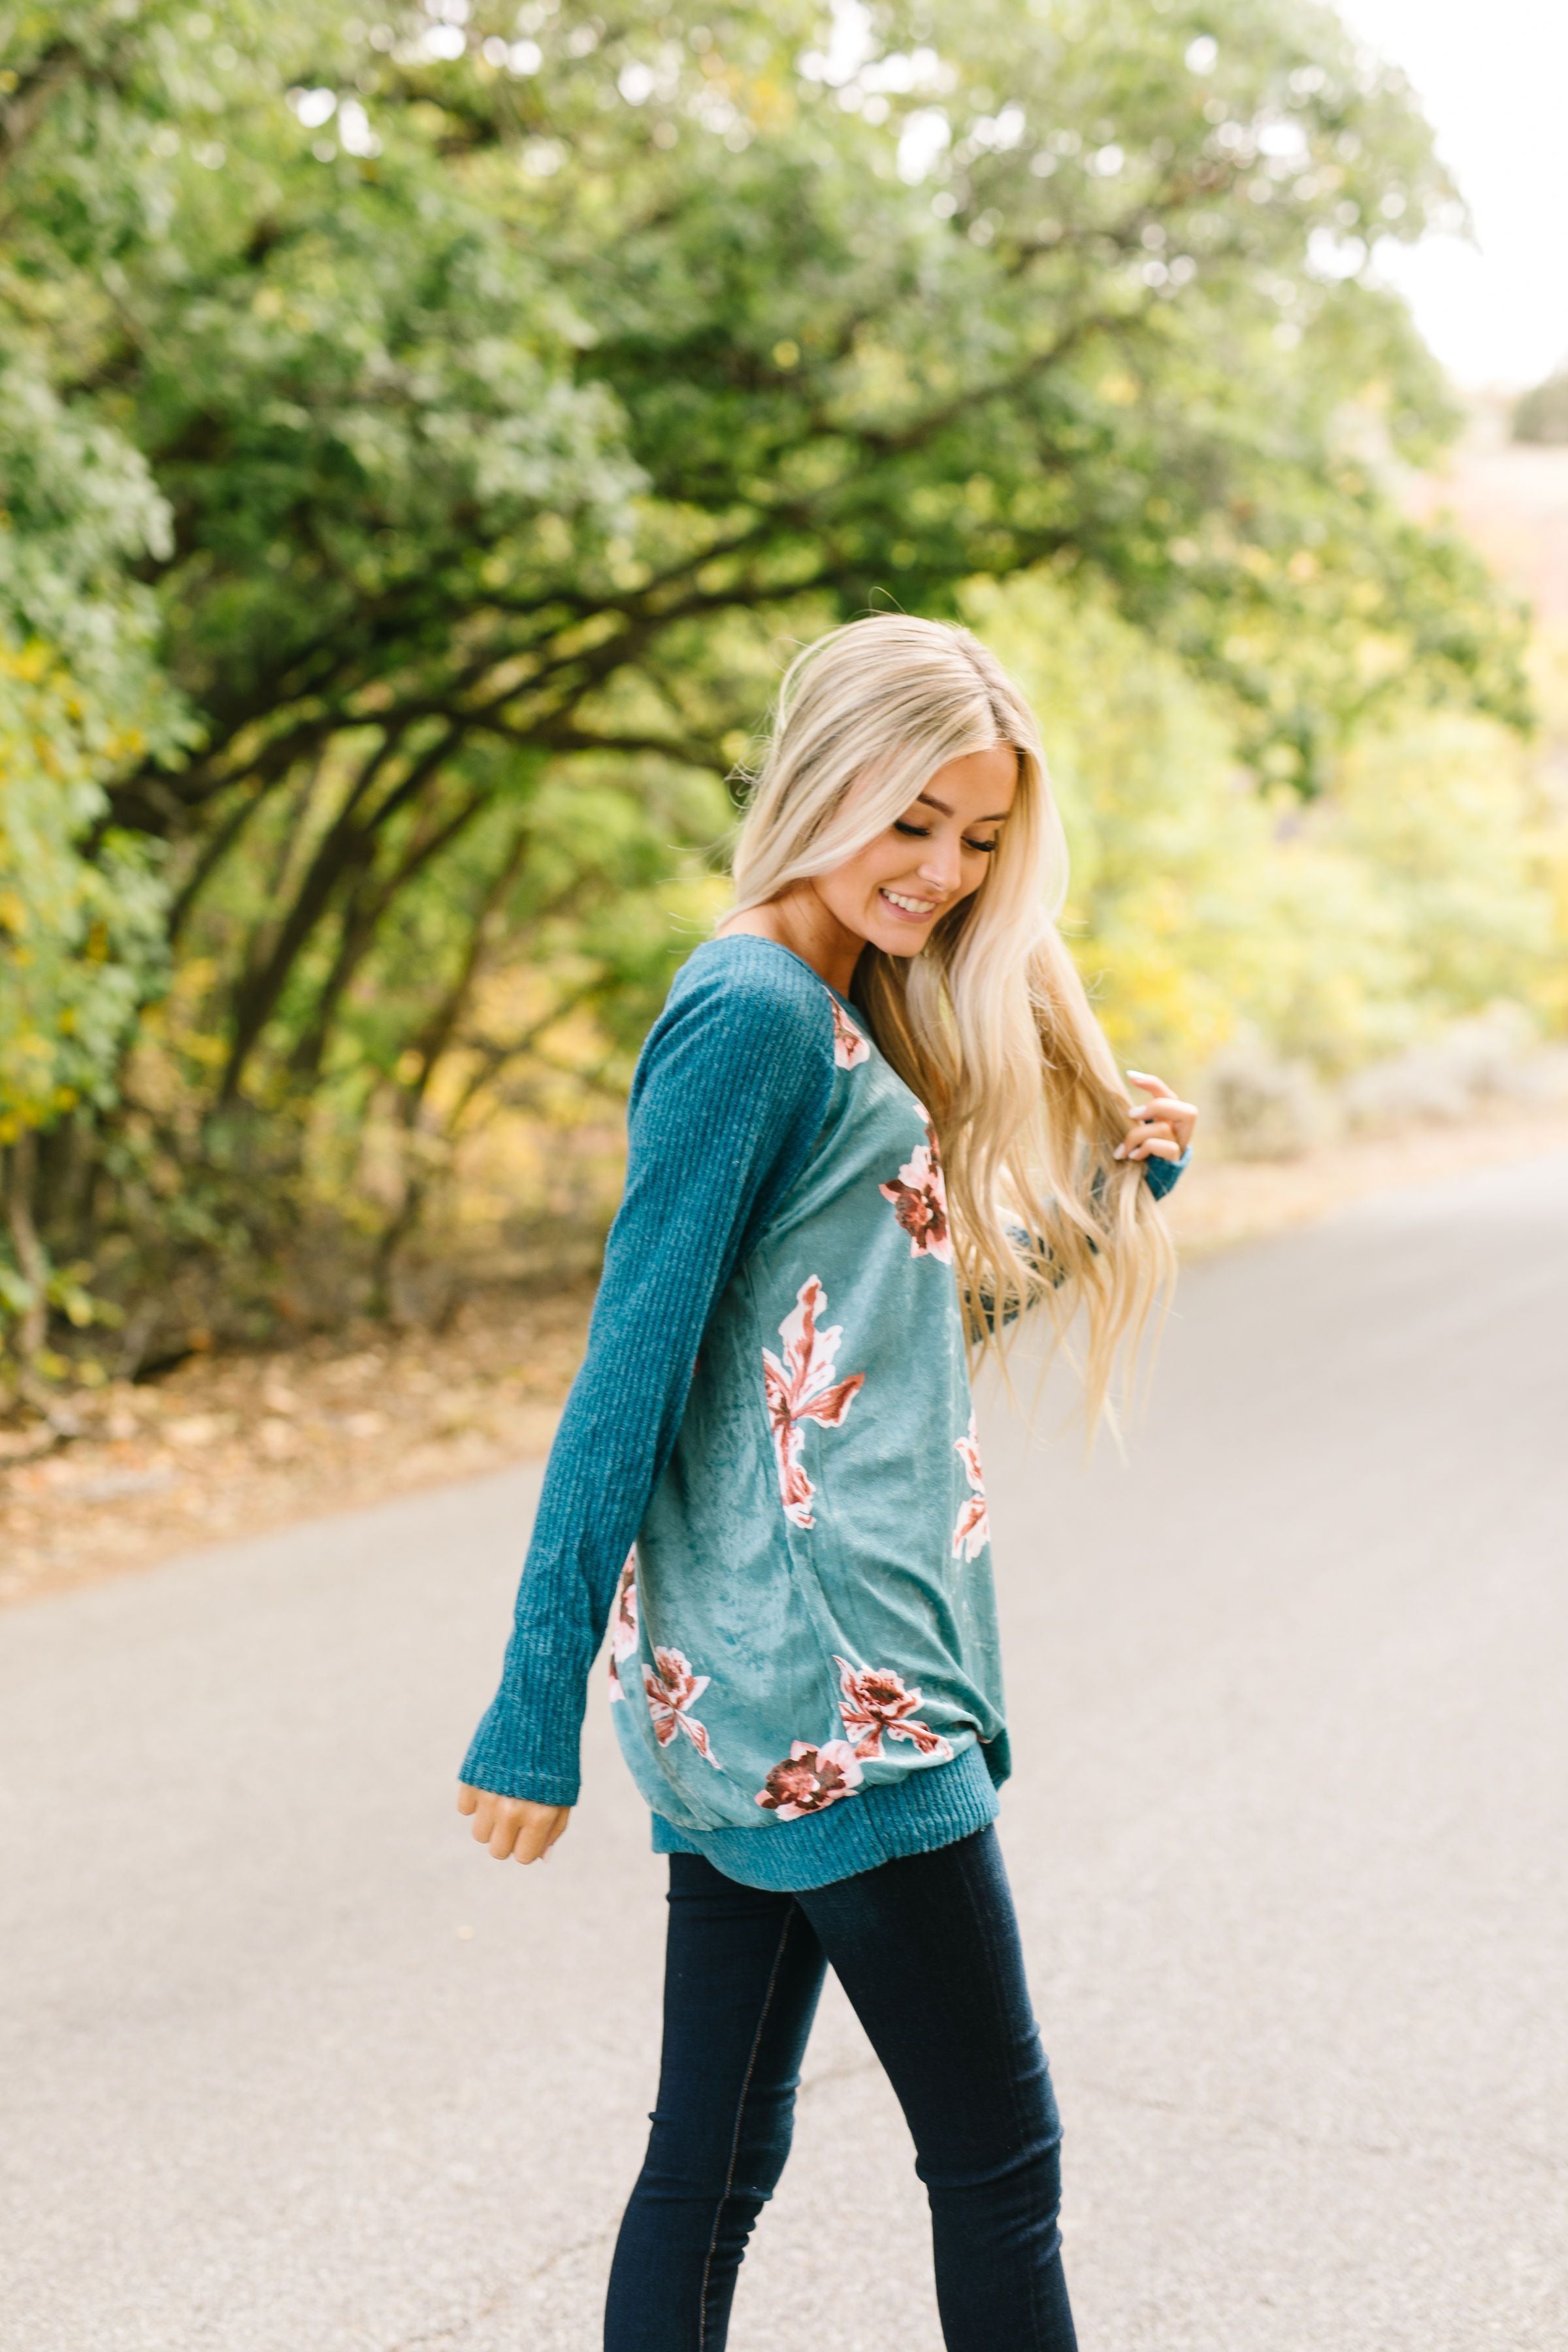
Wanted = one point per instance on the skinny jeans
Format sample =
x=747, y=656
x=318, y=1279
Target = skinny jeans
x=927, y=1950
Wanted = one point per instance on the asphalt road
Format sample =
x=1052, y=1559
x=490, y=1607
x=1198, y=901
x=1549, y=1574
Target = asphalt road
x=285, y=2065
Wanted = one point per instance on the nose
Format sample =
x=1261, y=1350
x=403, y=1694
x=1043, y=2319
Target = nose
x=939, y=867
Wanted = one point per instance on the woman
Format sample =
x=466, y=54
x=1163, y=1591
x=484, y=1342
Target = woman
x=876, y=1119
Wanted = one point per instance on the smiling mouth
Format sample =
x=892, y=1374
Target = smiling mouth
x=911, y=909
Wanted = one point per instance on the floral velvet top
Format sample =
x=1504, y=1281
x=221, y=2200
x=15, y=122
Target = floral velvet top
x=767, y=1477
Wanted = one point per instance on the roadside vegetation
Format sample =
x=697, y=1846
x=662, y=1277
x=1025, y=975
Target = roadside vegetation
x=426, y=433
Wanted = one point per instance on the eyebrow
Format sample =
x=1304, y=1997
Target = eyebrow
x=932, y=801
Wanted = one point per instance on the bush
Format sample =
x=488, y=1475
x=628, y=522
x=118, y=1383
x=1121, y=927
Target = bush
x=1278, y=947
x=1542, y=414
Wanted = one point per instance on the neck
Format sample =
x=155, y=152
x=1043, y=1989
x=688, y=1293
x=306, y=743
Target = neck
x=798, y=920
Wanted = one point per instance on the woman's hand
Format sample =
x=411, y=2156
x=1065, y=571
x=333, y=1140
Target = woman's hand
x=1163, y=1129
x=513, y=1827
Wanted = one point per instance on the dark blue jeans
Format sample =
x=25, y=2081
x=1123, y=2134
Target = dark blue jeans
x=927, y=1950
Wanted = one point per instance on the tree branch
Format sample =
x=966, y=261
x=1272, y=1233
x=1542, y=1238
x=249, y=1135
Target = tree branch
x=20, y=114
x=362, y=918
x=347, y=844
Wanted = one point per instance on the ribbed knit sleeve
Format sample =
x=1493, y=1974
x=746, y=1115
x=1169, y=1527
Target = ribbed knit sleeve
x=1161, y=1174
x=729, y=1095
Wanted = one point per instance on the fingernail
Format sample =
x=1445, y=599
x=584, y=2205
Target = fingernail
x=1120, y=1152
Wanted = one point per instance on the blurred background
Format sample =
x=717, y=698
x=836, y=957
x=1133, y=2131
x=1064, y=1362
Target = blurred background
x=426, y=433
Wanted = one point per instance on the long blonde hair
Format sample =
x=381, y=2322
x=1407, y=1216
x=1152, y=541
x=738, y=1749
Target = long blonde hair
x=989, y=1025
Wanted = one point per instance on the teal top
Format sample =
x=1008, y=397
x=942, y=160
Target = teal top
x=766, y=1476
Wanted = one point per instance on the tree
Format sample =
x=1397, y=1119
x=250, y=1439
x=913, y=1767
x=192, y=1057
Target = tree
x=80, y=692
x=514, y=384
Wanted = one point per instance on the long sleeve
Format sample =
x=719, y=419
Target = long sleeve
x=1162, y=1175
x=729, y=1097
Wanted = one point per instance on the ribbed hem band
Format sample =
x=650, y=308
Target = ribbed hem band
x=912, y=1815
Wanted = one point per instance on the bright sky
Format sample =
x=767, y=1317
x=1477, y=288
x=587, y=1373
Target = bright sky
x=1493, y=80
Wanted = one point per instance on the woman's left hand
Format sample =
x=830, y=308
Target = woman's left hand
x=1163, y=1129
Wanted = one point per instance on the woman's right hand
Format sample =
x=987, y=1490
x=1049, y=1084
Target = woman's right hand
x=514, y=1828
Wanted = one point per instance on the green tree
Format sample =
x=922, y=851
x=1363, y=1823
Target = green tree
x=1418, y=891
x=82, y=929
x=516, y=382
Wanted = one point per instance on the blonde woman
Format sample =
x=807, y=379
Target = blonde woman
x=876, y=1119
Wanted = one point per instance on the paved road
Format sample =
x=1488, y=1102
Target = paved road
x=286, y=2066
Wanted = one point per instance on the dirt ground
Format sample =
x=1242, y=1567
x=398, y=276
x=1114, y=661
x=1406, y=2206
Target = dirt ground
x=232, y=1444
x=226, y=1444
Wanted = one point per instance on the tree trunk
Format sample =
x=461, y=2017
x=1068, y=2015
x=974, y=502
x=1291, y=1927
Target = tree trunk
x=362, y=918
x=349, y=845
x=34, y=1265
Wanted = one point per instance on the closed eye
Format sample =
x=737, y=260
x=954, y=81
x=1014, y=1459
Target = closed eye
x=922, y=833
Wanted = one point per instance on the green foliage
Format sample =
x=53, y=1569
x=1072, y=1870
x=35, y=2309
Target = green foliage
x=82, y=929
x=1419, y=890
x=81, y=693
x=459, y=419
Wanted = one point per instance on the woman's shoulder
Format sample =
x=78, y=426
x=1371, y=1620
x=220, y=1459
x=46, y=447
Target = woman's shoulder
x=755, y=988
x=744, y=1019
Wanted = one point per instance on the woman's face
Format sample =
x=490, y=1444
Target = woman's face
x=936, y=854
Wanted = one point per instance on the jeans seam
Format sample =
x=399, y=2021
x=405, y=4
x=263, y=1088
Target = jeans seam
x=739, y=2119
x=1035, y=2314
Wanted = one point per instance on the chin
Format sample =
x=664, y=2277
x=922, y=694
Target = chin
x=899, y=942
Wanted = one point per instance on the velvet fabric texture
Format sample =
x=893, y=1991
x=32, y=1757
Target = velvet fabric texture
x=808, y=1613
x=774, y=1410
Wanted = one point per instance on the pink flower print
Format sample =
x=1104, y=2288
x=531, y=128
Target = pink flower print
x=972, y=1531
x=920, y=1198
x=623, y=1620
x=802, y=1389
x=874, y=1703
x=810, y=1780
x=671, y=1686
x=850, y=1047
